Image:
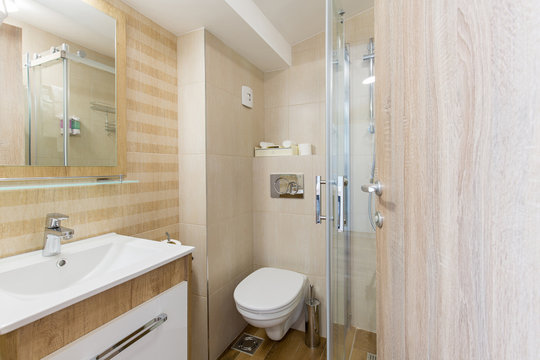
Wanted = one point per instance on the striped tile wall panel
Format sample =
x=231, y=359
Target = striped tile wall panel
x=146, y=209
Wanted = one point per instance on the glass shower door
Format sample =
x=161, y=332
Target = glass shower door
x=338, y=175
x=45, y=114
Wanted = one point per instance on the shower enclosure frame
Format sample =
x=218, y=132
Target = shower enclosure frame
x=340, y=181
x=328, y=99
x=338, y=210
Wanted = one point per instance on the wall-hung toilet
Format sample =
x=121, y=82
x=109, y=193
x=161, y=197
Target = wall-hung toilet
x=272, y=299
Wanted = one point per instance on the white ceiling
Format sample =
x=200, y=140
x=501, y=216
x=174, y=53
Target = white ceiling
x=75, y=21
x=296, y=20
x=183, y=16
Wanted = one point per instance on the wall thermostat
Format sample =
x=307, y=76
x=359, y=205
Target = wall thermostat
x=247, y=96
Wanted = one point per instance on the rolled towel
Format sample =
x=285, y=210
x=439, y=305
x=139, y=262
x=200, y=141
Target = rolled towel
x=287, y=143
x=267, y=145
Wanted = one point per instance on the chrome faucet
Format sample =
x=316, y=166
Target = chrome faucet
x=54, y=234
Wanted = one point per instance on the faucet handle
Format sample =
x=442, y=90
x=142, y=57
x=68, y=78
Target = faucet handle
x=54, y=220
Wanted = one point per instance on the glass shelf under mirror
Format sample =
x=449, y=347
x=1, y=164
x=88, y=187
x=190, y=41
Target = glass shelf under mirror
x=7, y=184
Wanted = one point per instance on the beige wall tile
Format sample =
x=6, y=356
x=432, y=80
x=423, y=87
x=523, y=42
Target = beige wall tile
x=192, y=184
x=230, y=250
x=192, y=178
x=232, y=129
x=229, y=187
x=360, y=174
x=289, y=241
x=251, y=123
x=195, y=235
x=304, y=242
x=305, y=125
x=265, y=238
x=232, y=132
x=199, y=332
x=191, y=57
x=221, y=119
x=192, y=119
x=322, y=118
x=276, y=124
x=220, y=69
x=225, y=321
x=276, y=88
x=228, y=70
x=363, y=257
x=360, y=27
x=307, y=76
x=316, y=42
x=257, y=117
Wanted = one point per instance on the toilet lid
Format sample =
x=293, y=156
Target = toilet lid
x=269, y=289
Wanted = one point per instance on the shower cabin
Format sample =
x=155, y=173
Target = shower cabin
x=350, y=181
x=69, y=88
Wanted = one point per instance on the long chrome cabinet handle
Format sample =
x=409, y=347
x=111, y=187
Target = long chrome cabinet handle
x=341, y=183
x=318, y=216
x=131, y=338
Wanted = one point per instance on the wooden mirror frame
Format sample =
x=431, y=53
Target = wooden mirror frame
x=27, y=171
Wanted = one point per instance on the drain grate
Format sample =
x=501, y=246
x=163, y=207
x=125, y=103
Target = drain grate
x=247, y=344
x=371, y=356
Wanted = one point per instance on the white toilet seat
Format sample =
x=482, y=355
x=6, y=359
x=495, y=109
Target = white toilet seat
x=272, y=299
x=270, y=290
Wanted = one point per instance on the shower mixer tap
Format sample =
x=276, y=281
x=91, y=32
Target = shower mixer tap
x=375, y=187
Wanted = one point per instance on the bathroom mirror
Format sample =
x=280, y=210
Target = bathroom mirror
x=62, y=80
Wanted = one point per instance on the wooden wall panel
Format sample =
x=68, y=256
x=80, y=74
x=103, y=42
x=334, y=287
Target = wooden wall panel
x=146, y=209
x=458, y=144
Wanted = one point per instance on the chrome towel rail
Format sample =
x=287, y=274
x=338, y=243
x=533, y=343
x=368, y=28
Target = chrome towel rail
x=131, y=338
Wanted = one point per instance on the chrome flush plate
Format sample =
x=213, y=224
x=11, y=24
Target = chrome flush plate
x=287, y=186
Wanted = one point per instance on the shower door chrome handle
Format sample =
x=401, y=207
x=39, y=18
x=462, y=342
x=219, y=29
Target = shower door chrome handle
x=341, y=183
x=318, y=216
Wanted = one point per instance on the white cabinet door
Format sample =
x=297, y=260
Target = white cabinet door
x=166, y=341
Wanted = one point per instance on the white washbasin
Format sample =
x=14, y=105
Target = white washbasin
x=33, y=286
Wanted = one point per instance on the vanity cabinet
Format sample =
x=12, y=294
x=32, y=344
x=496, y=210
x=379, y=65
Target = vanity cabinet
x=159, y=327
x=124, y=304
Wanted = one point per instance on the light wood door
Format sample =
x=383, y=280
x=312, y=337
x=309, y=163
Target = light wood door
x=458, y=149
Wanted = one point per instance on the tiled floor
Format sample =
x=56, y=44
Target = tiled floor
x=292, y=347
